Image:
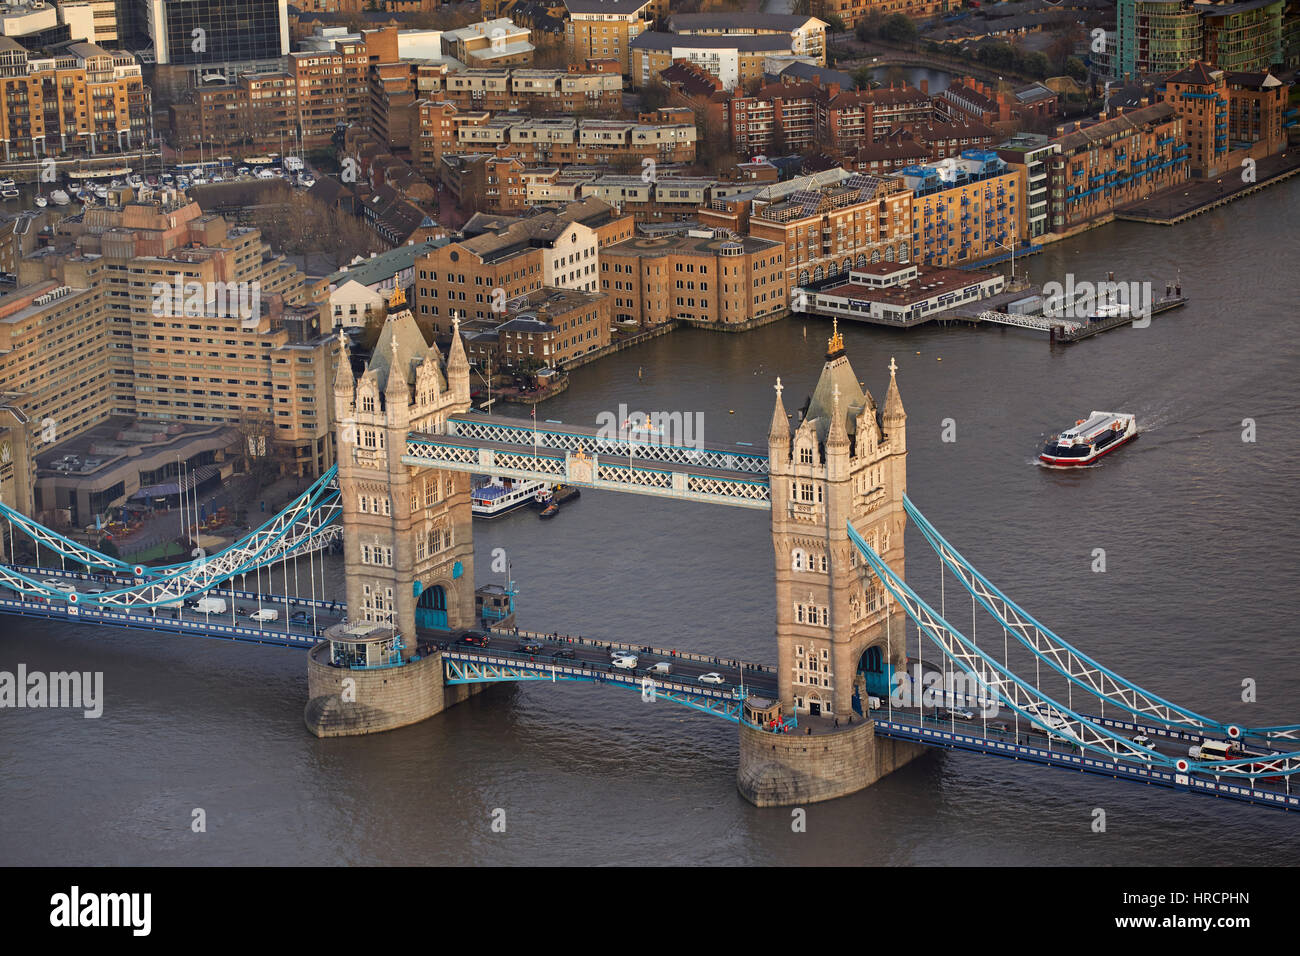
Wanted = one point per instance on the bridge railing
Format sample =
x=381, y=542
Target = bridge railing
x=556, y=638
x=586, y=670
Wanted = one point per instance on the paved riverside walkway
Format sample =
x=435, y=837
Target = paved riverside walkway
x=1195, y=196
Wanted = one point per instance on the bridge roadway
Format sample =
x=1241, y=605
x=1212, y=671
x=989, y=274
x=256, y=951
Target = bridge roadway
x=505, y=659
x=1034, y=746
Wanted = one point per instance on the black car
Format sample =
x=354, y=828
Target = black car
x=299, y=617
x=475, y=639
x=191, y=602
x=564, y=652
x=529, y=647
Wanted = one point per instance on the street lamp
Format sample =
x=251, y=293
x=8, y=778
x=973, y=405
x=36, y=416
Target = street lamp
x=1011, y=247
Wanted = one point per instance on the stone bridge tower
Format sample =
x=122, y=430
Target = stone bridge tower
x=407, y=533
x=838, y=632
x=409, y=545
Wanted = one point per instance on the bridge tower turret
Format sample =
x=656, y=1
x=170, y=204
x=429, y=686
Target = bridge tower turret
x=838, y=635
x=408, y=542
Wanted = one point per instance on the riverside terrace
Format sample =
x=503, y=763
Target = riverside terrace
x=899, y=294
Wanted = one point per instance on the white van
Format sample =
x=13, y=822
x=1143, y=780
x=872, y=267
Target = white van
x=660, y=667
x=625, y=662
x=266, y=614
x=211, y=605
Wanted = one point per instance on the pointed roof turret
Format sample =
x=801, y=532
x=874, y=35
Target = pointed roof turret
x=396, y=388
x=837, y=373
x=400, y=341
x=837, y=436
x=343, y=380
x=780, y=430
x=893, y=401
x=456, y=360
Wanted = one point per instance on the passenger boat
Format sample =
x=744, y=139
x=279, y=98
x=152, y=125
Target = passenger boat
x=498, y=496
x=1092, y=437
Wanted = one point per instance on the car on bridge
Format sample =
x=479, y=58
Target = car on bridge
x=476, y=639
x=299, y=617
x=529, y=647
x=625, y=662
x=564, y=652
x=713, y=677
x=958, y=713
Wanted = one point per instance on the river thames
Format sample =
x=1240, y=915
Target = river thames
x=1198, y=525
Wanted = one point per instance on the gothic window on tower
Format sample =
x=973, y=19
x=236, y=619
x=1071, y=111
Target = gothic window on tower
x=367, y=403
x=806, y=456
x=797, y=560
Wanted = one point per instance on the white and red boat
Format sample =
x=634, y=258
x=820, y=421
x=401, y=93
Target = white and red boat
x=1092, y=437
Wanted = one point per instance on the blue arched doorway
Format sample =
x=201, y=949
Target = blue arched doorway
x=431, y=609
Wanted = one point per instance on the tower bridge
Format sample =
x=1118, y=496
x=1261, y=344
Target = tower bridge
x=821, y=722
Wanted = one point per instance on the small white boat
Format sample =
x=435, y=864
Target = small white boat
x=101, y=192
x=498, y=496
x=42, y=201
x=9, y=193
x=1092, y=437
x=7, y=184
x=60, y=198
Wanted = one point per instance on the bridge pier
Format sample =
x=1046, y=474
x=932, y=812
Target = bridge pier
x=378, y=699
x=781, y=770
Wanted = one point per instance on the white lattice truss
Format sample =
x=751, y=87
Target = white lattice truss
x=1039, y=322
x=645, y=449
x=610, y=476
x=303, y=526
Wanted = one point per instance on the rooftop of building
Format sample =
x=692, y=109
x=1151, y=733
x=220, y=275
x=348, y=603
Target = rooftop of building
x=608, y=7
x=739, y=22
x=929, y=282
x=1102, y=128
x=745, y=43
x=696, y=242
x=385, y=265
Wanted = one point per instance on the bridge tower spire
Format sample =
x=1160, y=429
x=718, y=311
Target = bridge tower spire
x=835, y=644
x=408, y=542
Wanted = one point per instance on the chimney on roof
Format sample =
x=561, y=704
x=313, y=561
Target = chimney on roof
x=925, y=87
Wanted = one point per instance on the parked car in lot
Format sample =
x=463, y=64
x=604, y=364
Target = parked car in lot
x=713, y=677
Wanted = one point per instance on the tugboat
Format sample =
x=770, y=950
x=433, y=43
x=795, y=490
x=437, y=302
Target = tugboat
x=1090, y=438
